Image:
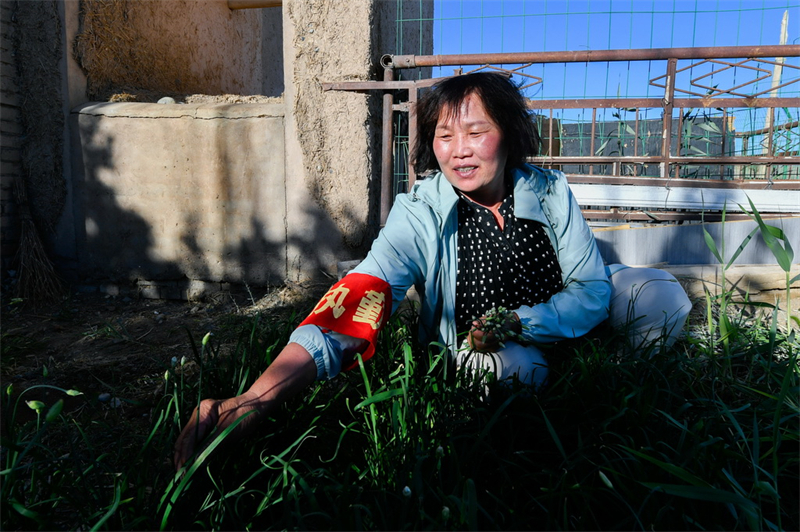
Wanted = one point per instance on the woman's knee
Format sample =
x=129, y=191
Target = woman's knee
x=649, y=303
x=526, y=363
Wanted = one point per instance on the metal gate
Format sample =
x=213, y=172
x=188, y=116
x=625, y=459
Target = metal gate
x=690, y=160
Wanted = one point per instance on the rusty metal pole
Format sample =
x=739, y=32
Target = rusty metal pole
x=724, y=133
x=583, y=56
x=550, y=136
x=636, y=141
x=413, y=95
x=591, y=139
x=669, y=102
x=387, y=146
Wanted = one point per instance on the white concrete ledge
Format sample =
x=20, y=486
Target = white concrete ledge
x=188, y=110
x=764, y=283
x=685, y=244
x=709, y=199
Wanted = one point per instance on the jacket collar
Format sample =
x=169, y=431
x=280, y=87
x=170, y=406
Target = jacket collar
x=437, y=192
x=527, y=179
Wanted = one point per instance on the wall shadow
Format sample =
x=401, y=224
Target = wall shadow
x=228, y=244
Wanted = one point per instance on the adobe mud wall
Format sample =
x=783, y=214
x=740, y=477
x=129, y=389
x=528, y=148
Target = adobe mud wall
x=193, y=191
x=172, y=47
x=145, y=199
x=333, y=138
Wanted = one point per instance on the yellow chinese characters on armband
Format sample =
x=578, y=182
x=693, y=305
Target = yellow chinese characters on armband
x=357, y=306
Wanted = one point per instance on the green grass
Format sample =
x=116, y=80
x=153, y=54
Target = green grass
x=699, y=436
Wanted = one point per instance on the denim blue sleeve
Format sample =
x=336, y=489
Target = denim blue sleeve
x=328, y=349
x=397, y=256
x=400, y=254
x=584, y=301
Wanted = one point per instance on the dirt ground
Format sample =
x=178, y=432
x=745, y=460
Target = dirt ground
x=116, y=349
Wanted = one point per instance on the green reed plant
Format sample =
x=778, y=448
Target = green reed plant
x=778, y=243
x=621, y=437
x=723, y=299
x=26, y=459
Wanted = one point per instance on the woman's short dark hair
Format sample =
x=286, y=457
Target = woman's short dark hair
x=503, y=102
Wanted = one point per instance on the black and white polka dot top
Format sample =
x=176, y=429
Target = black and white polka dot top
x=510, y=267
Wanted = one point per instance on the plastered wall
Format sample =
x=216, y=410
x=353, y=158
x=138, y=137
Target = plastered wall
x=333, y=137
x=221, y=193
x=170, y=192
x=172, y=46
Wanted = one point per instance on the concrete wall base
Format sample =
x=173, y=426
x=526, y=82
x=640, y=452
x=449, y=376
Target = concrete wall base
x=764, y=283
x=173, y=191
x=185, y=290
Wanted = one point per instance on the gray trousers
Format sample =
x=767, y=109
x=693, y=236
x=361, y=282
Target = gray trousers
x=648, y=304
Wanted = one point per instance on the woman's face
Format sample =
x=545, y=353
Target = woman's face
x=470, y=151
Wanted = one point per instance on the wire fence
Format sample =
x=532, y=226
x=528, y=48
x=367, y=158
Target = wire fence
x=499, y=26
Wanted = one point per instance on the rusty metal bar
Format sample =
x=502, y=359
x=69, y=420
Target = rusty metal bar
x=771, y=132
x=667, y=216
x=600, y=103
x=770, y=152
x=591, y=137
x=754, y=184
x=722, y=147
x=787, y=126
x=386, y=152
x=253, y=4
x=742, y=169
x=669, y=96
x=666, y=159
x=413, y=95
x=369, y=85
x=584, y=56
x=651, y=159
x=657, y=103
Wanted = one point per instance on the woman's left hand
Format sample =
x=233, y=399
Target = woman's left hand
x=489, y=341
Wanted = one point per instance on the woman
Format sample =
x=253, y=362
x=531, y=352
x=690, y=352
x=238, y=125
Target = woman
x=484, y=231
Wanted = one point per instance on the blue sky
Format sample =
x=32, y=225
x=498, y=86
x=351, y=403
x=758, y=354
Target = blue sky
x=472, y=26
x=486, y=26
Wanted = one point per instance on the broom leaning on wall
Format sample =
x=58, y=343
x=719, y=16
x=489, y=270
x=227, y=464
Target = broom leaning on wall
x=37, y=280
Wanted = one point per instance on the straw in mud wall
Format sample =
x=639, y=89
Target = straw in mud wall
x=37, y=280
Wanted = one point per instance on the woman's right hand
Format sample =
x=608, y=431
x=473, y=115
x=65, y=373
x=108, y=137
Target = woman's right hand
x=211, y=414
x=292, y=370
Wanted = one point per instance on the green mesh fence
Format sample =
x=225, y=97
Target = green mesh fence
x=491, y=26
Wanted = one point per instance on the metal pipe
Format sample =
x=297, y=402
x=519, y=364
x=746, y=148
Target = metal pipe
x=668, y=216
x=669, y=103
x=582, y=179
x=550, y=135
x=253, y=4
x=412, y=132
x=599, y=159
x=388, y=145
x=770, y=131
x=657, y=103
x=724, y=133
x=584, y=56
x=600, y=103
x=786, y=126
x=591, y=137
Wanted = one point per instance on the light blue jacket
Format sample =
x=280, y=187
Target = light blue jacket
x=418, y=247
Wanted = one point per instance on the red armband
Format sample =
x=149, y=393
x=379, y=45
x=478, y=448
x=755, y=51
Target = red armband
x=358, y=305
